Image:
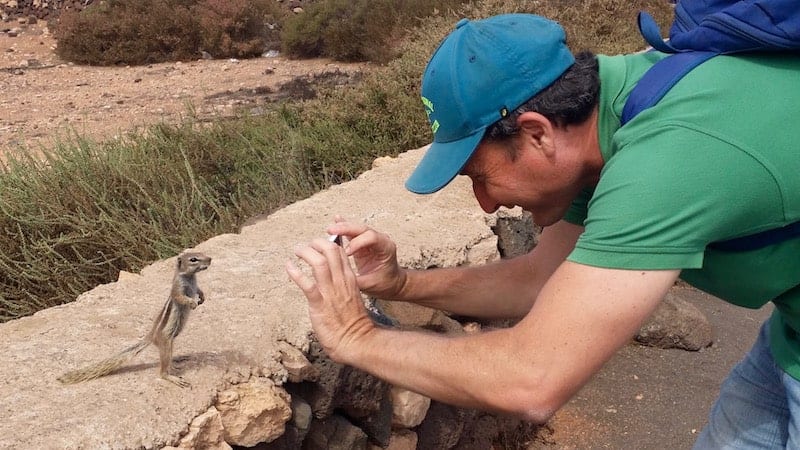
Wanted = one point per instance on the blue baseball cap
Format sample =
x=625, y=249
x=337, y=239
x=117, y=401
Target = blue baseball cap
x=482, y=71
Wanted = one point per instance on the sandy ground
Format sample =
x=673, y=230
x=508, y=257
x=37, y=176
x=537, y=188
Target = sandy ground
x=43, y=98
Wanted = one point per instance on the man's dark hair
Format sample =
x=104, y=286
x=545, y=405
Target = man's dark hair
x=568, y=101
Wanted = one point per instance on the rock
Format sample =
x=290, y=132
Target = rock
x=483, y=252
x=334, y=433
x=443, y=426
x=378, y=426
x=124, y=275
x=206, y=432
x=296, y=429
x=297, y=365
x=400, y=440
x=408, y=408
x=410, y=315
x=301, y=413
x=253, y=412
x=339, y=387
x=516, y=232
x=471, y=327
x=676, y=324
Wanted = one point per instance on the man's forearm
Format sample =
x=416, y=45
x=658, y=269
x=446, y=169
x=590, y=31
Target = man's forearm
x=528, y=370
x=503, y=289
x=478, y=371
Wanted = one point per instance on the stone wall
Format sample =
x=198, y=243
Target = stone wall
x=257, y=376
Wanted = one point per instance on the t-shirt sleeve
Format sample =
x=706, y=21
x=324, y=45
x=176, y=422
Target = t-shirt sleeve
x=579, y=209
x=663, y=198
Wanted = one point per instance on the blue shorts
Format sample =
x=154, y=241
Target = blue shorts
x=758, y=405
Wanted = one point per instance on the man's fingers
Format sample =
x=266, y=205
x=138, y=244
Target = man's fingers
x=317, y=255
x=331, y=259
x=364, y=240
x=348, y=273
x=328, y=263
x=307, y=285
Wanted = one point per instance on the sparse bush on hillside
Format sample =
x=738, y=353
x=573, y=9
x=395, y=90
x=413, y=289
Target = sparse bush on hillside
x=150, y=31
x=239, y=28
x=357, y=30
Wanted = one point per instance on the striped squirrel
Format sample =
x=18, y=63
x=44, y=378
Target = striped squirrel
x=184, y=296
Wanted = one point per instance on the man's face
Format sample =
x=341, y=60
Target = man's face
x=543, y=183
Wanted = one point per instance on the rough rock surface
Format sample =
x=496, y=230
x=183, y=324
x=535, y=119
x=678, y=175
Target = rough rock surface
x=676, y=324
x=233, y=338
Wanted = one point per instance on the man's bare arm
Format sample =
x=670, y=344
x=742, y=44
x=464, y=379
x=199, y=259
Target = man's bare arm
x=581, y=317
x=503, y=289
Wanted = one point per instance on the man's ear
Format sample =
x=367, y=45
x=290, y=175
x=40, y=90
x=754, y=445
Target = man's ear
x=537, y=129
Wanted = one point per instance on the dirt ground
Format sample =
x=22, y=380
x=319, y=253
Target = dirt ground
x=43, y=98
x=644, y=398
x=653, y=399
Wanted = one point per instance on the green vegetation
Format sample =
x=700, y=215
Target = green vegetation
x=74, y=218
x=150, y=31
x=357, y=30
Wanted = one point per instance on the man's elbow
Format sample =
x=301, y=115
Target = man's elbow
x=533, y=406
x=537, y=414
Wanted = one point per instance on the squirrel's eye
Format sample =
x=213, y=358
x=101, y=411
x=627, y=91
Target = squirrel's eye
x=193, y=259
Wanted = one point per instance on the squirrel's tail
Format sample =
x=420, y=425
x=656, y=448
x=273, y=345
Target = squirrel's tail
x=104, y=367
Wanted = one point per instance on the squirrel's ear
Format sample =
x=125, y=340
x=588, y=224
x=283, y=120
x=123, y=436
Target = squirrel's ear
x=180, y=261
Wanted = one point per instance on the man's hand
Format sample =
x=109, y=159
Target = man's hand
x=335, y=306
x=375, y=255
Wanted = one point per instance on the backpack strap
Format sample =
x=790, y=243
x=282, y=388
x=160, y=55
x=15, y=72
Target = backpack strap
x=758, y=240
x=742, y=26
x=659, y=79
x=652, y=33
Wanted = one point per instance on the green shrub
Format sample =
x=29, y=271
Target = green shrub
x=602, y=26
x=128, y=32
x=75, y=218
x=357, y=30
x=239, y=28
x=150, y=31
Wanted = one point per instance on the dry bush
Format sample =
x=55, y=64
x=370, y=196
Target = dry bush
x=357, y=30
x=602, y=26
x=150, y=31
x=128, y=32
x=240, y=28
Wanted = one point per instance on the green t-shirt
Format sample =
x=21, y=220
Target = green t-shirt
x=717, y=158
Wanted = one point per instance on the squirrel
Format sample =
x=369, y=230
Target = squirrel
x=184, y=296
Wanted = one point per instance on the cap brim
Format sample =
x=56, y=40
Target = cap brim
x=441, y=163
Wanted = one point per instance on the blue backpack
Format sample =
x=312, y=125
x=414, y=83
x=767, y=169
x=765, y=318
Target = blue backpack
x=702, y=29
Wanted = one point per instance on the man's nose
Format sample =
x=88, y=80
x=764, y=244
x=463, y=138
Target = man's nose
x=488, y=204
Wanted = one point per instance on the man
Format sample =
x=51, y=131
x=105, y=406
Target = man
x=626, y=211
